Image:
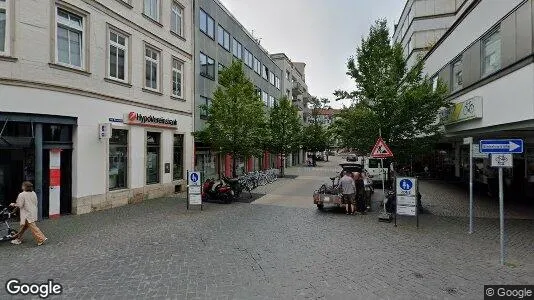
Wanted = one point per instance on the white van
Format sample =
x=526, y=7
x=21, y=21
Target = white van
x=372, y=165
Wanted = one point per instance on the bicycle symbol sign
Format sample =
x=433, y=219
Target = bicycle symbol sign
x=406, y=184
x=194, y=177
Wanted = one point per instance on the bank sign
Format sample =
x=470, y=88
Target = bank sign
x=133, y=118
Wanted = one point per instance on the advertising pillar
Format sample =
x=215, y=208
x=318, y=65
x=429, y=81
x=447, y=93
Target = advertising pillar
x=55, y=180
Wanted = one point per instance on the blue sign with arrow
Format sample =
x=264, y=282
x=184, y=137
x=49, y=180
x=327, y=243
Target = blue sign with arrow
x=501, y=146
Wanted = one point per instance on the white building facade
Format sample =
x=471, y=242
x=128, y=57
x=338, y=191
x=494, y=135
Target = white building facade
x=422, y=23
x=486, y=59
x=96, y=101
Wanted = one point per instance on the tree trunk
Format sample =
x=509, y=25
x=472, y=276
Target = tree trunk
x=282, y=166
x=234, y=165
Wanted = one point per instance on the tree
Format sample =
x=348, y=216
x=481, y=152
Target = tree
x=400, y=101
x=236, y=122
x=284, y=129
x=314, y=136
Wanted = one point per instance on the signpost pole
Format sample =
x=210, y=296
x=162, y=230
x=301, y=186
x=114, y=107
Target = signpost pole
x=383, y=174
x=469, y=141
x=501, y=213
x=187, y=190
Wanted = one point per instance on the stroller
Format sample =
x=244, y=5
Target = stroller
x=5, y=215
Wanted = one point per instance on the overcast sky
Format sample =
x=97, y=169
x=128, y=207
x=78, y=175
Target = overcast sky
x=323, y=34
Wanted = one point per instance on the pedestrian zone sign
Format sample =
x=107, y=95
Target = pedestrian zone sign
x=381, y=150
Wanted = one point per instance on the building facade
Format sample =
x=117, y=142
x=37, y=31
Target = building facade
x=96, y=101
x=486, y=59
x=422, y=23
x=294, y=87
x=220, y=39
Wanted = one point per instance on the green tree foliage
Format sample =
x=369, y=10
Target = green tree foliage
x=236, y=122
x=284, y=129
x=400, y=101
x=315, y=137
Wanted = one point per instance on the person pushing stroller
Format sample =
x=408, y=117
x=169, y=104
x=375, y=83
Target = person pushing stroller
x=27, y=204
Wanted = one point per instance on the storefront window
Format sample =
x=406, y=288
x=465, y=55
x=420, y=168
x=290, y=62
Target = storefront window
x=118, y=159
x=152, y=157
x=205, y=162
x=178, y=157
x=56, y=133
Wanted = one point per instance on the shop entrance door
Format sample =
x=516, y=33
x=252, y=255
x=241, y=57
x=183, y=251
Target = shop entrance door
x=11, y=175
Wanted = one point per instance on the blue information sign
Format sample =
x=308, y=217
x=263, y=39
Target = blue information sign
x=501, y=146
x=406, y=184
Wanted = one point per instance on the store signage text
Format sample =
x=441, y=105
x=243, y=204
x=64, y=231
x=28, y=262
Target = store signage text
x=134, y=118
x=462, y=111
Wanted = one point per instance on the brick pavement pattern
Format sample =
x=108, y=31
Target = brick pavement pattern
x=157, y=249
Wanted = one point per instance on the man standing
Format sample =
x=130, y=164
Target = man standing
x=348, y=190
x=359, y=199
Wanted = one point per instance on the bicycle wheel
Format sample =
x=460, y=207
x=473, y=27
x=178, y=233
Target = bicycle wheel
x=263, y=180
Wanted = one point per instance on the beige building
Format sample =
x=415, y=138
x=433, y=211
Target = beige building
x=96, y=100
x=294, y=87
x=423, y=22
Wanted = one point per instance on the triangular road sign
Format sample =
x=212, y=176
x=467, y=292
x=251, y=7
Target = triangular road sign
x=381, y=150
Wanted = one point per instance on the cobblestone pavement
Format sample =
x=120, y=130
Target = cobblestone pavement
x=157, y=249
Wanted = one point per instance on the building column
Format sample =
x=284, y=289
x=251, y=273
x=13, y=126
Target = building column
x=228, y=166
x=38, y=184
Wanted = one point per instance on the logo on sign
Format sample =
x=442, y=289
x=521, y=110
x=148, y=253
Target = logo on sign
x=194, y=177
x=406, y=184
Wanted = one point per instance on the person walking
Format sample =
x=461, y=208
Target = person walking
x=27, y=204
x=359, y=199
x=348, y=189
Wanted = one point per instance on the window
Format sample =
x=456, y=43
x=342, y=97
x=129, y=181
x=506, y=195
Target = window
x=288, y=92
x=4, y=27
x=257, y=66
x=277, y=82
x=265, y=98
x=207, y=66
x=265, y=72
x=70, y=46
x=223, y=37
x=457, y=81
x=118, y=159
x=237, y=48
x=177, y=19
x=258, y=91
x=287, y=75
x=207, y=24
x=152, y=9
x=271, y=78
x=152, y=157
x=271, y=101
x=177, y=78
x=491, y=53
x=118, y=53
x=204, y=112
x=249, y=59
x=151, y=68
x=178, y=157
x=221, y=67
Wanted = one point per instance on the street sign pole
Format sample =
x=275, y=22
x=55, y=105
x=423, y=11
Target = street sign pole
x=187, y=190
x=469, y=141
x=501, y=213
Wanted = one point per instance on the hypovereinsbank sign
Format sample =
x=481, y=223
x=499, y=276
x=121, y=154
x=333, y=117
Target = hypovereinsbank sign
x=134, y=118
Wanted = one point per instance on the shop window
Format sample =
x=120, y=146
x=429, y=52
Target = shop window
x=56, y=133
x=153, y=143
x=118, y=159
x=178, y=157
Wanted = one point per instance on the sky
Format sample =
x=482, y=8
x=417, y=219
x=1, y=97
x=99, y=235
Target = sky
x=323, y=34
